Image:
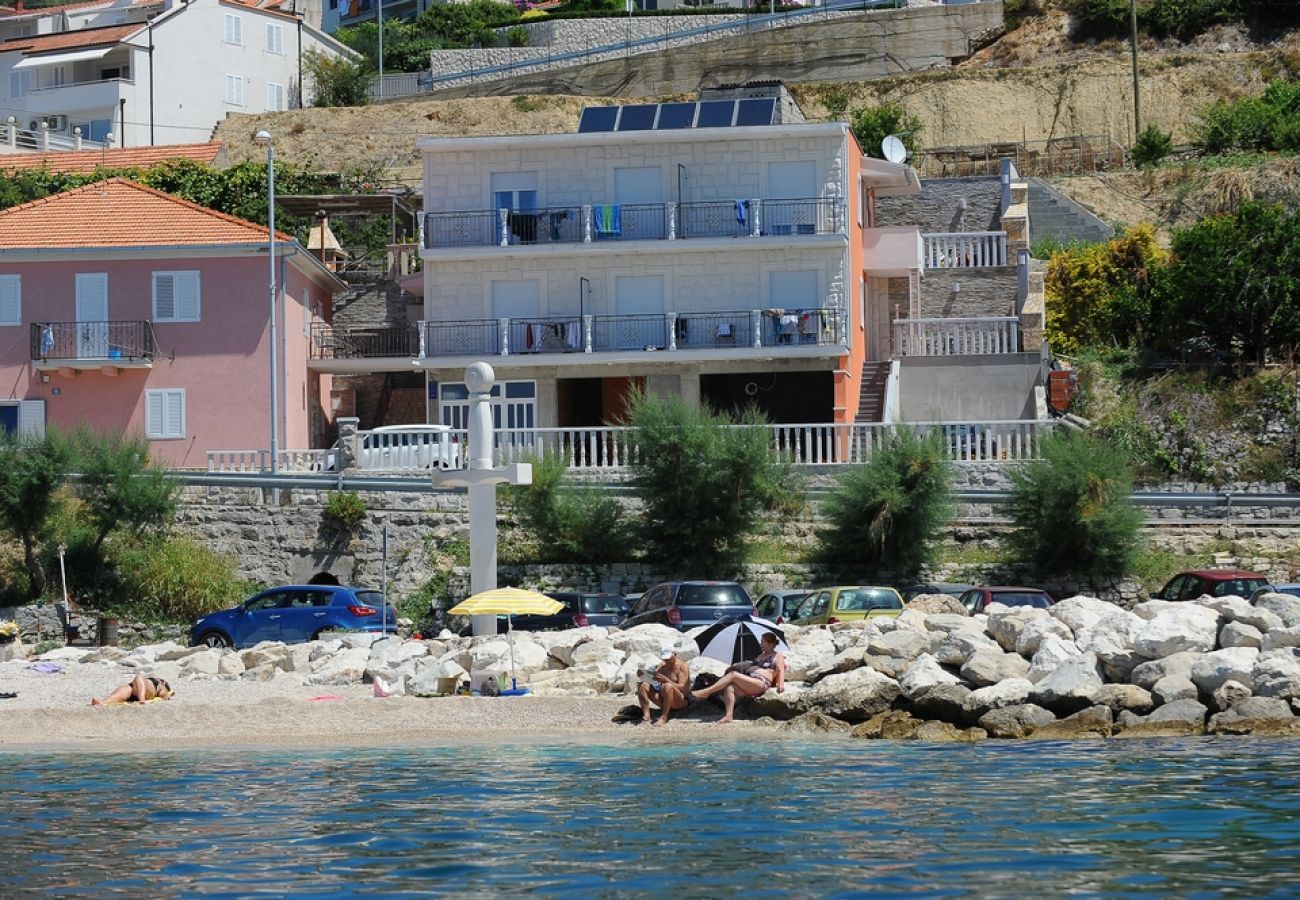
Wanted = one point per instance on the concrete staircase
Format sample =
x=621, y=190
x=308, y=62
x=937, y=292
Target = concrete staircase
x=1054, y=215
x=871, y=399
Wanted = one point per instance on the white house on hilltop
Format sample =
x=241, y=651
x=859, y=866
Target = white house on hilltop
x=150, y=73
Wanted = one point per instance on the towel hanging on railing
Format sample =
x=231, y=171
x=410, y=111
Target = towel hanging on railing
x=608, y=220
x=742, y=211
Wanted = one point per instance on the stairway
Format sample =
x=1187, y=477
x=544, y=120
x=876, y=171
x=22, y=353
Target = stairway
x=1054, y=216
x=871, y=399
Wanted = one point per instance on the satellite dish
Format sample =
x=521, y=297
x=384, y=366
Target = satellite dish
x=893, y=149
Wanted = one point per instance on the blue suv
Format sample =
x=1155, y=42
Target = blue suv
x=295, y=613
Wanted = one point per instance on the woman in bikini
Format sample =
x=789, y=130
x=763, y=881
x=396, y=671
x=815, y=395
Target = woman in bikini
x=749, y=679
x=138, y=690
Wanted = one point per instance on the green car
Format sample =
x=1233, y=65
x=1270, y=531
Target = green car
x=826, y=606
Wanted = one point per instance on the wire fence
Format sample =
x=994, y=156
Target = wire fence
x=1071, y=155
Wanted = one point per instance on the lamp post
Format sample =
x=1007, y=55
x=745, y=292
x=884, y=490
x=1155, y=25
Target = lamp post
x=380, y=20
x=1137, y=99
x=264, y=137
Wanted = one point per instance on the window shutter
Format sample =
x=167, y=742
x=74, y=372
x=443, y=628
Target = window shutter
x=164, y=295
x=187, y=295
x=174, y=414
x=153, y=414
x=31, y=418
x=11, y=300
x=234, y=29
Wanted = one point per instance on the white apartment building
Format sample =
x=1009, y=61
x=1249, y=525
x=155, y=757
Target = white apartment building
x=151, y=73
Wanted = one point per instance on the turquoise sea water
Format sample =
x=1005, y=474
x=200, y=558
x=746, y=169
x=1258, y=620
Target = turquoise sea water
x=795, y=817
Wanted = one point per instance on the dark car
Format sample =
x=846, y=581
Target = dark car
x=776, y=606
x=580, y=610
x=1290, y=588
x=938, y=587
x=1212, y=582
x=686, y=604
x=299, y=612
x=977, y=599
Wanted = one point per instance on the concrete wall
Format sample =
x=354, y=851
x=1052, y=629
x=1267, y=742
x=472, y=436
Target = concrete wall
x=847, y=47
x=968, y=388
x=958, y=293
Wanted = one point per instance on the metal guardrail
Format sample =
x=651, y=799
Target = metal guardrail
x=130, y=341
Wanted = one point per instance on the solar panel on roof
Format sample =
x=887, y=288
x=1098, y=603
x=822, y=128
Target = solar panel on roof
x=639, y=117
x=755, y=112
x=676, y=115
x=597, y=118
x=716, y=114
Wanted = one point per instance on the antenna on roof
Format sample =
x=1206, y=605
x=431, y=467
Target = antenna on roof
x=894, y=149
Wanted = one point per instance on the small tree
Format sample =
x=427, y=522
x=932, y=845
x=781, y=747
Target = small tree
x=122, y=488
x=30, y=474
x=1071, y=511
x=336, y=81
x=703, y=483
x=569, y=523
x=1152, y=145
x=887, y=513
x=871, y=125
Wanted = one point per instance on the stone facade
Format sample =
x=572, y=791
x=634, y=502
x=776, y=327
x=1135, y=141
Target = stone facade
x=960, y=293
x=939, y=206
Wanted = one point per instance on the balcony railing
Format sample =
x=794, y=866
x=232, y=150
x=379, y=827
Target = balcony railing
x=615, y=448
x=965, y=249
x=956, y=337
x=102, y=343
x=595, y=223
x=364, y=342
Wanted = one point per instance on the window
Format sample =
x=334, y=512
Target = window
x=234, y=90
x=176, y=296
x=275, y=97
x=234, y=29
x=274, y=38
x=23, y=417
x=514, y=190
x=164, y=414
x=11, y=299
x=515, y=407
x=20, y=82
x=58, y=76
x=110, y=72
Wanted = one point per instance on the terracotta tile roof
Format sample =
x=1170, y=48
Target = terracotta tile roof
x=82, y=37
x=120, y=213
x=270, y=8
x=81, y=162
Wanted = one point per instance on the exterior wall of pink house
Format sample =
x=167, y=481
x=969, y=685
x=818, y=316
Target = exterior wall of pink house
x=221, y=362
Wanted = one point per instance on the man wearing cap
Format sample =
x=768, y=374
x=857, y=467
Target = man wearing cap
x=667, y=690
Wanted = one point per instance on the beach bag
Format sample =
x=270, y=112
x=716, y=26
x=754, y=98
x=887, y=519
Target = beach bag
x=489, y=687
x=703, y=680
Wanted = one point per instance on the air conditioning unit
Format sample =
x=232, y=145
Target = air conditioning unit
x=56, y=123
x=34, y=125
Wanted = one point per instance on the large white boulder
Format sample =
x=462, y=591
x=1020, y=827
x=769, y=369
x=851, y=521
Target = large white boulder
x=1073, y=686
x=266, y=654
x=1174, y=687
x=987, y=667
x=1218, y=666
x=950, y=623
x=854, y=696
x=902, y=644
x=811, y=651
x=646, y=638
x=1148, y=673
x=1284, y=606
x=1239, y=634
x=1114, y=639
x=1035, y=630
x=844, y=661
x=911, y=618
x=345, y=667
x=1185, y=627
x=602, y=651
x=1051, y=652
x=1149, y=609
x=959, y=646
x=1275, y=638
x=599, y=676
x=922, y=675
x=230, y=664
x=1006, y=623
x=166, y=651
x=1080, y=612
x=1277, y=674
x=1235, y=609
x=207, y=662
x=1012, y=692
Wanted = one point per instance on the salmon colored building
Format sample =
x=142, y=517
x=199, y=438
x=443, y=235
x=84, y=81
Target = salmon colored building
x=133, y=311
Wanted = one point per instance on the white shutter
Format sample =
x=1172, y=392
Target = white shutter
x=235, y=90
x=164, y=414
x=274, y=97
x=31, y=418
x=274, y=38
x=11, y=299
x=187, y=296
x=153, y=414
x=164, y=296
x=234, y=29
x=174, y=414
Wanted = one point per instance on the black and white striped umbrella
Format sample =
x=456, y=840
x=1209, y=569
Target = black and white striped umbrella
x=737, y=638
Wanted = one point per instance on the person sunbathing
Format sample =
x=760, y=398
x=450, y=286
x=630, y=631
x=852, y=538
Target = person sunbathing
x=667, y=689
x=138, y=690
x=749, y=679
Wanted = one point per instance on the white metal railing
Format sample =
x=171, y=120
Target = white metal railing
x=614, y=447
x=965, y=249
x=956, y=336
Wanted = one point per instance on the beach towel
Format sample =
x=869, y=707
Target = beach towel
x=324, y=698
x=48, y=668
x=607, y=220
x=742, y=208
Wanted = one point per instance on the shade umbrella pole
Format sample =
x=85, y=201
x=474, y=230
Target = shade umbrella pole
x=510, y=637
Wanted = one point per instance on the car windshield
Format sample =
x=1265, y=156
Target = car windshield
x=370, y=598
x=868, y=598
x=595, y=603
x=712, y=595
x=1021, y=599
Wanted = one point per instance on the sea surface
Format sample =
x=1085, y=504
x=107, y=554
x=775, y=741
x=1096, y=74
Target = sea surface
x=800, y=817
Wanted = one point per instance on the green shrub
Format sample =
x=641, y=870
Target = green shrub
x=1098, y=19
x=569, y=523
x=702, y=483
x=887, y=514
x=871, y=125
x=517, y=36
x=1071, y=512
x=176, y=580
x=336, y=81
x=1151, y=147
x=1269, y=122
x=346, y=508
x=1016, y=12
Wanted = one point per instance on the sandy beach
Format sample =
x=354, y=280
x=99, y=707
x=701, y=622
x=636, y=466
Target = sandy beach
x=53, y=711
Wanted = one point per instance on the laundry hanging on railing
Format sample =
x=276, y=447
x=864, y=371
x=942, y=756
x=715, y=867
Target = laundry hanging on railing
x=742, y=211
x=607, y=220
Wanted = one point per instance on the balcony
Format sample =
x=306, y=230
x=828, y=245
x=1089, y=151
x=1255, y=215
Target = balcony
x=78, y=96
x=723, y=331
x=612, y=223
x=78, y=346
x=956, y=336
x=965, y=249
x=891, y=252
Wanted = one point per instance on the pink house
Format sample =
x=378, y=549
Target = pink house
x=134, y=311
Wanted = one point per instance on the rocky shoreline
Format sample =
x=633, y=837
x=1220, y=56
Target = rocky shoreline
x=1084, y=668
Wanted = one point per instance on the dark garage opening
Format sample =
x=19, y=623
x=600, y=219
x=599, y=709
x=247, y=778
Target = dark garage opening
x=792, y=398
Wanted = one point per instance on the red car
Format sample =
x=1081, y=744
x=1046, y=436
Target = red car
x=1214, y=582
x=976, y=599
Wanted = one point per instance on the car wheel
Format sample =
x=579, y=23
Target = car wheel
x=215, y=639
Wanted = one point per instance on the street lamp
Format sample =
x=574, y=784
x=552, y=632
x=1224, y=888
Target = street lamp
x=264, y=137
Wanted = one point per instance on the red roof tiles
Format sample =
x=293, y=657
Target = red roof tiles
x=82, y=37
x=81, y=162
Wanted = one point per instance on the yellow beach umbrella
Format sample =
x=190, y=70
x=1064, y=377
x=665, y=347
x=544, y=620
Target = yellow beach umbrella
x=508, y=602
